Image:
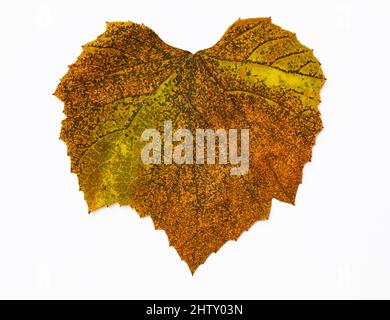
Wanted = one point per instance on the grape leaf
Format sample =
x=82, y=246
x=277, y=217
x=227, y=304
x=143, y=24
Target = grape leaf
x=258, y=76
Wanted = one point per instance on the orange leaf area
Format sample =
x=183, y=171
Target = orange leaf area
x=258, y=77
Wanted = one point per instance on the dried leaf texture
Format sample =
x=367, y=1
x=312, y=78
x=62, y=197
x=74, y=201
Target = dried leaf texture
x=258, y=76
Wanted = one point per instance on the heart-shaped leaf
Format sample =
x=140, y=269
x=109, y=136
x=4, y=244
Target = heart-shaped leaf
x=257, y=77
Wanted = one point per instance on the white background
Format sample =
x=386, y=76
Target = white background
x=334, y=243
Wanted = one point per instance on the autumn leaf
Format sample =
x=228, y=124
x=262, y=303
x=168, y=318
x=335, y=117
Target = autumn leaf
x=258, y=76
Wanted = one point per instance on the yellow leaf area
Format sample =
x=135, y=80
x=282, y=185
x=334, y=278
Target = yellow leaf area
x=258, y=76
